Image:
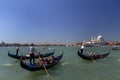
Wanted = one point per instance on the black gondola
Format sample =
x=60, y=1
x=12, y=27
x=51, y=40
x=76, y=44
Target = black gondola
x=93, y=57
x=37, y=66
x=28, y=56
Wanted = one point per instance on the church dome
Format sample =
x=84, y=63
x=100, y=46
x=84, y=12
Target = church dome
x=100, y=38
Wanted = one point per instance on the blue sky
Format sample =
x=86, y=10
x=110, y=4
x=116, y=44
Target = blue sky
x=58, y=21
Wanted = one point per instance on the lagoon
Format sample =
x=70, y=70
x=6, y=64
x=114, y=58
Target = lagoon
x=71, y=67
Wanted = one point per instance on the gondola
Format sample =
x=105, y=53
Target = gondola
x=93, y=57
x=13, y=55
x=37, y=66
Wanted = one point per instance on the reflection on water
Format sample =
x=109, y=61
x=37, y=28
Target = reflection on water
x=64, y=63
x=7, y=64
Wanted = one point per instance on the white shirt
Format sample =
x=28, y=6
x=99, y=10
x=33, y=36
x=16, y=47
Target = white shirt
x=82, y=47
x=31, y=49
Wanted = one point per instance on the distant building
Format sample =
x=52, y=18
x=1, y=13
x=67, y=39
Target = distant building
x=95, y=41
x=2, y=43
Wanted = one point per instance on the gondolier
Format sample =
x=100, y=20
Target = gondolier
x=17, y=49
x=82, y=48
x=32, y=53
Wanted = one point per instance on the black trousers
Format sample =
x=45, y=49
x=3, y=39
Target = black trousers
x=32, y=58
x=81, y=50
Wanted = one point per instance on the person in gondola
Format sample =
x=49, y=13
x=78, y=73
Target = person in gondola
x=43, y=61
x=92, y=54
x=82, y=48
x=52, y=60
x=17, y=49
x=32, y=52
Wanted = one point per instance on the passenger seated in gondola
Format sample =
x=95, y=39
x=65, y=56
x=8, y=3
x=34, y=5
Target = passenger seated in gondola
x=52, y=60
x=43, y=61
x=47, y=61
x=92, y=54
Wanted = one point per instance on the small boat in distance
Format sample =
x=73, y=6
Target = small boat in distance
x=116, y=48
x=93, y=57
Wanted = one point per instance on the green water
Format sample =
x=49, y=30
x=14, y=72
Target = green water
x=71, y=67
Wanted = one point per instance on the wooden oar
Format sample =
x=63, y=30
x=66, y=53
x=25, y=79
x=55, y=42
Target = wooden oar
x=93, y=60
x=43, y=64
x=44, y=67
